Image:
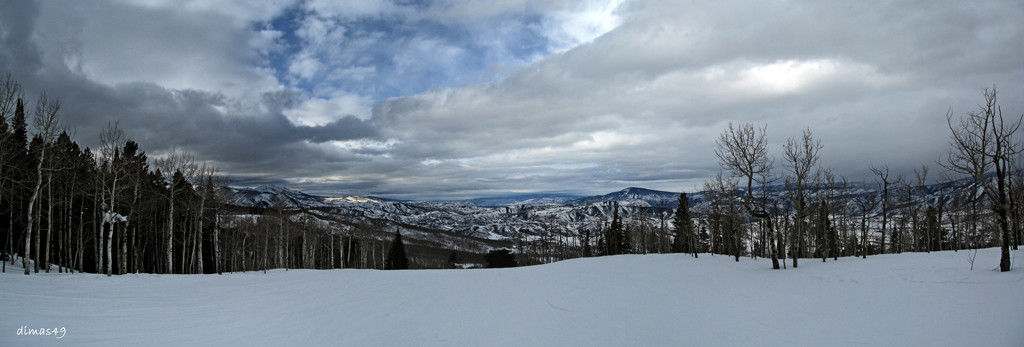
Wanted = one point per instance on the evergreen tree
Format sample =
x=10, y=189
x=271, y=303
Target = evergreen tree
x=19, y=125
x=936, y=232
x=6, y=156
x=453, y=259
x=396, y=259
x=626, y=241
x=683, y=223
x=616, y=234
x=498, y=258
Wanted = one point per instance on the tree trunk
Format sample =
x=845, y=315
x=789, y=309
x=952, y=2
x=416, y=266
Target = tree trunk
x=110, y=241
x=31, y=204
x=127, y=225
x=49, y=222
x=342, y=245
x=110, y=223
x=98, y=225
x=199, y=233
x=772, y=243
x=216, y=246
x=170, y=232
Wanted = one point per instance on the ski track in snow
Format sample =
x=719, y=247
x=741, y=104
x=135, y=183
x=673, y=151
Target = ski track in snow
x=910, y=299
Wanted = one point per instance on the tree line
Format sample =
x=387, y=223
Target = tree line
x=802, y=210
x=115, y=210
x=105, y=210
x=819, y=215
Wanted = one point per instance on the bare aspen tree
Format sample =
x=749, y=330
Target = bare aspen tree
x=922, y=180
x=219, y=194
x=983, y=141
x=884, y=182
x=827, y=231
x=47, y=127
x=844, y=218
x=204, y=183
x=743, y=150
x=723, y=220
x=169, y=165
x=902, y=201
x=1015, y=182
x=801, y=157
x=112, y=139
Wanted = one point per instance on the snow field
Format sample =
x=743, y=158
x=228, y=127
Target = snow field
x=910, y=299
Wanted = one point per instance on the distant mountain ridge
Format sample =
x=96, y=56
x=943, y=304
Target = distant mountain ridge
x=522, y=199
x=268, y=196
x=532, y=215
x=634, y=196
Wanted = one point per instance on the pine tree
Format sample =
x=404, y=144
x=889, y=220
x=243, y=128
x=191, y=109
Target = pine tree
x=19, y=125
x=618, y=237
x=396, y=259
x=684, y=237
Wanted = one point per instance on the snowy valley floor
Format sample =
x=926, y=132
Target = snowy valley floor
x=912, y=299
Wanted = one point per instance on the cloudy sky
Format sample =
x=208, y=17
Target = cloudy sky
x=460, y=98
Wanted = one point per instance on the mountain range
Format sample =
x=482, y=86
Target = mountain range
x=526, y=216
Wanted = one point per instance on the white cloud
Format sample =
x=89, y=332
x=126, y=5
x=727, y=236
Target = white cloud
x=316, y=111
x=357, y=9
x=580, y=24
x=304, y=66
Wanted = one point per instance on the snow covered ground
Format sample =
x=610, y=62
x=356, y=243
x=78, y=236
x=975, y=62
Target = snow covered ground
x=912, y=299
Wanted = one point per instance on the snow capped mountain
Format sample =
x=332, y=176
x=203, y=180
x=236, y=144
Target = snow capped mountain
x=523, y=199
x=528, y=216
x=634, y=196
x=501, y=218
x=281, y=197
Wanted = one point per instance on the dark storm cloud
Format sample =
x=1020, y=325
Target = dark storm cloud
x=17, y=21
x=247, y=139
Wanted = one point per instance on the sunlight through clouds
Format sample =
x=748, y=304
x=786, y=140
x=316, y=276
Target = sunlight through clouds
x=793, y=76
x=581, y=24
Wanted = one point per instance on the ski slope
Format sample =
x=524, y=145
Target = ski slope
x=912, y=299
